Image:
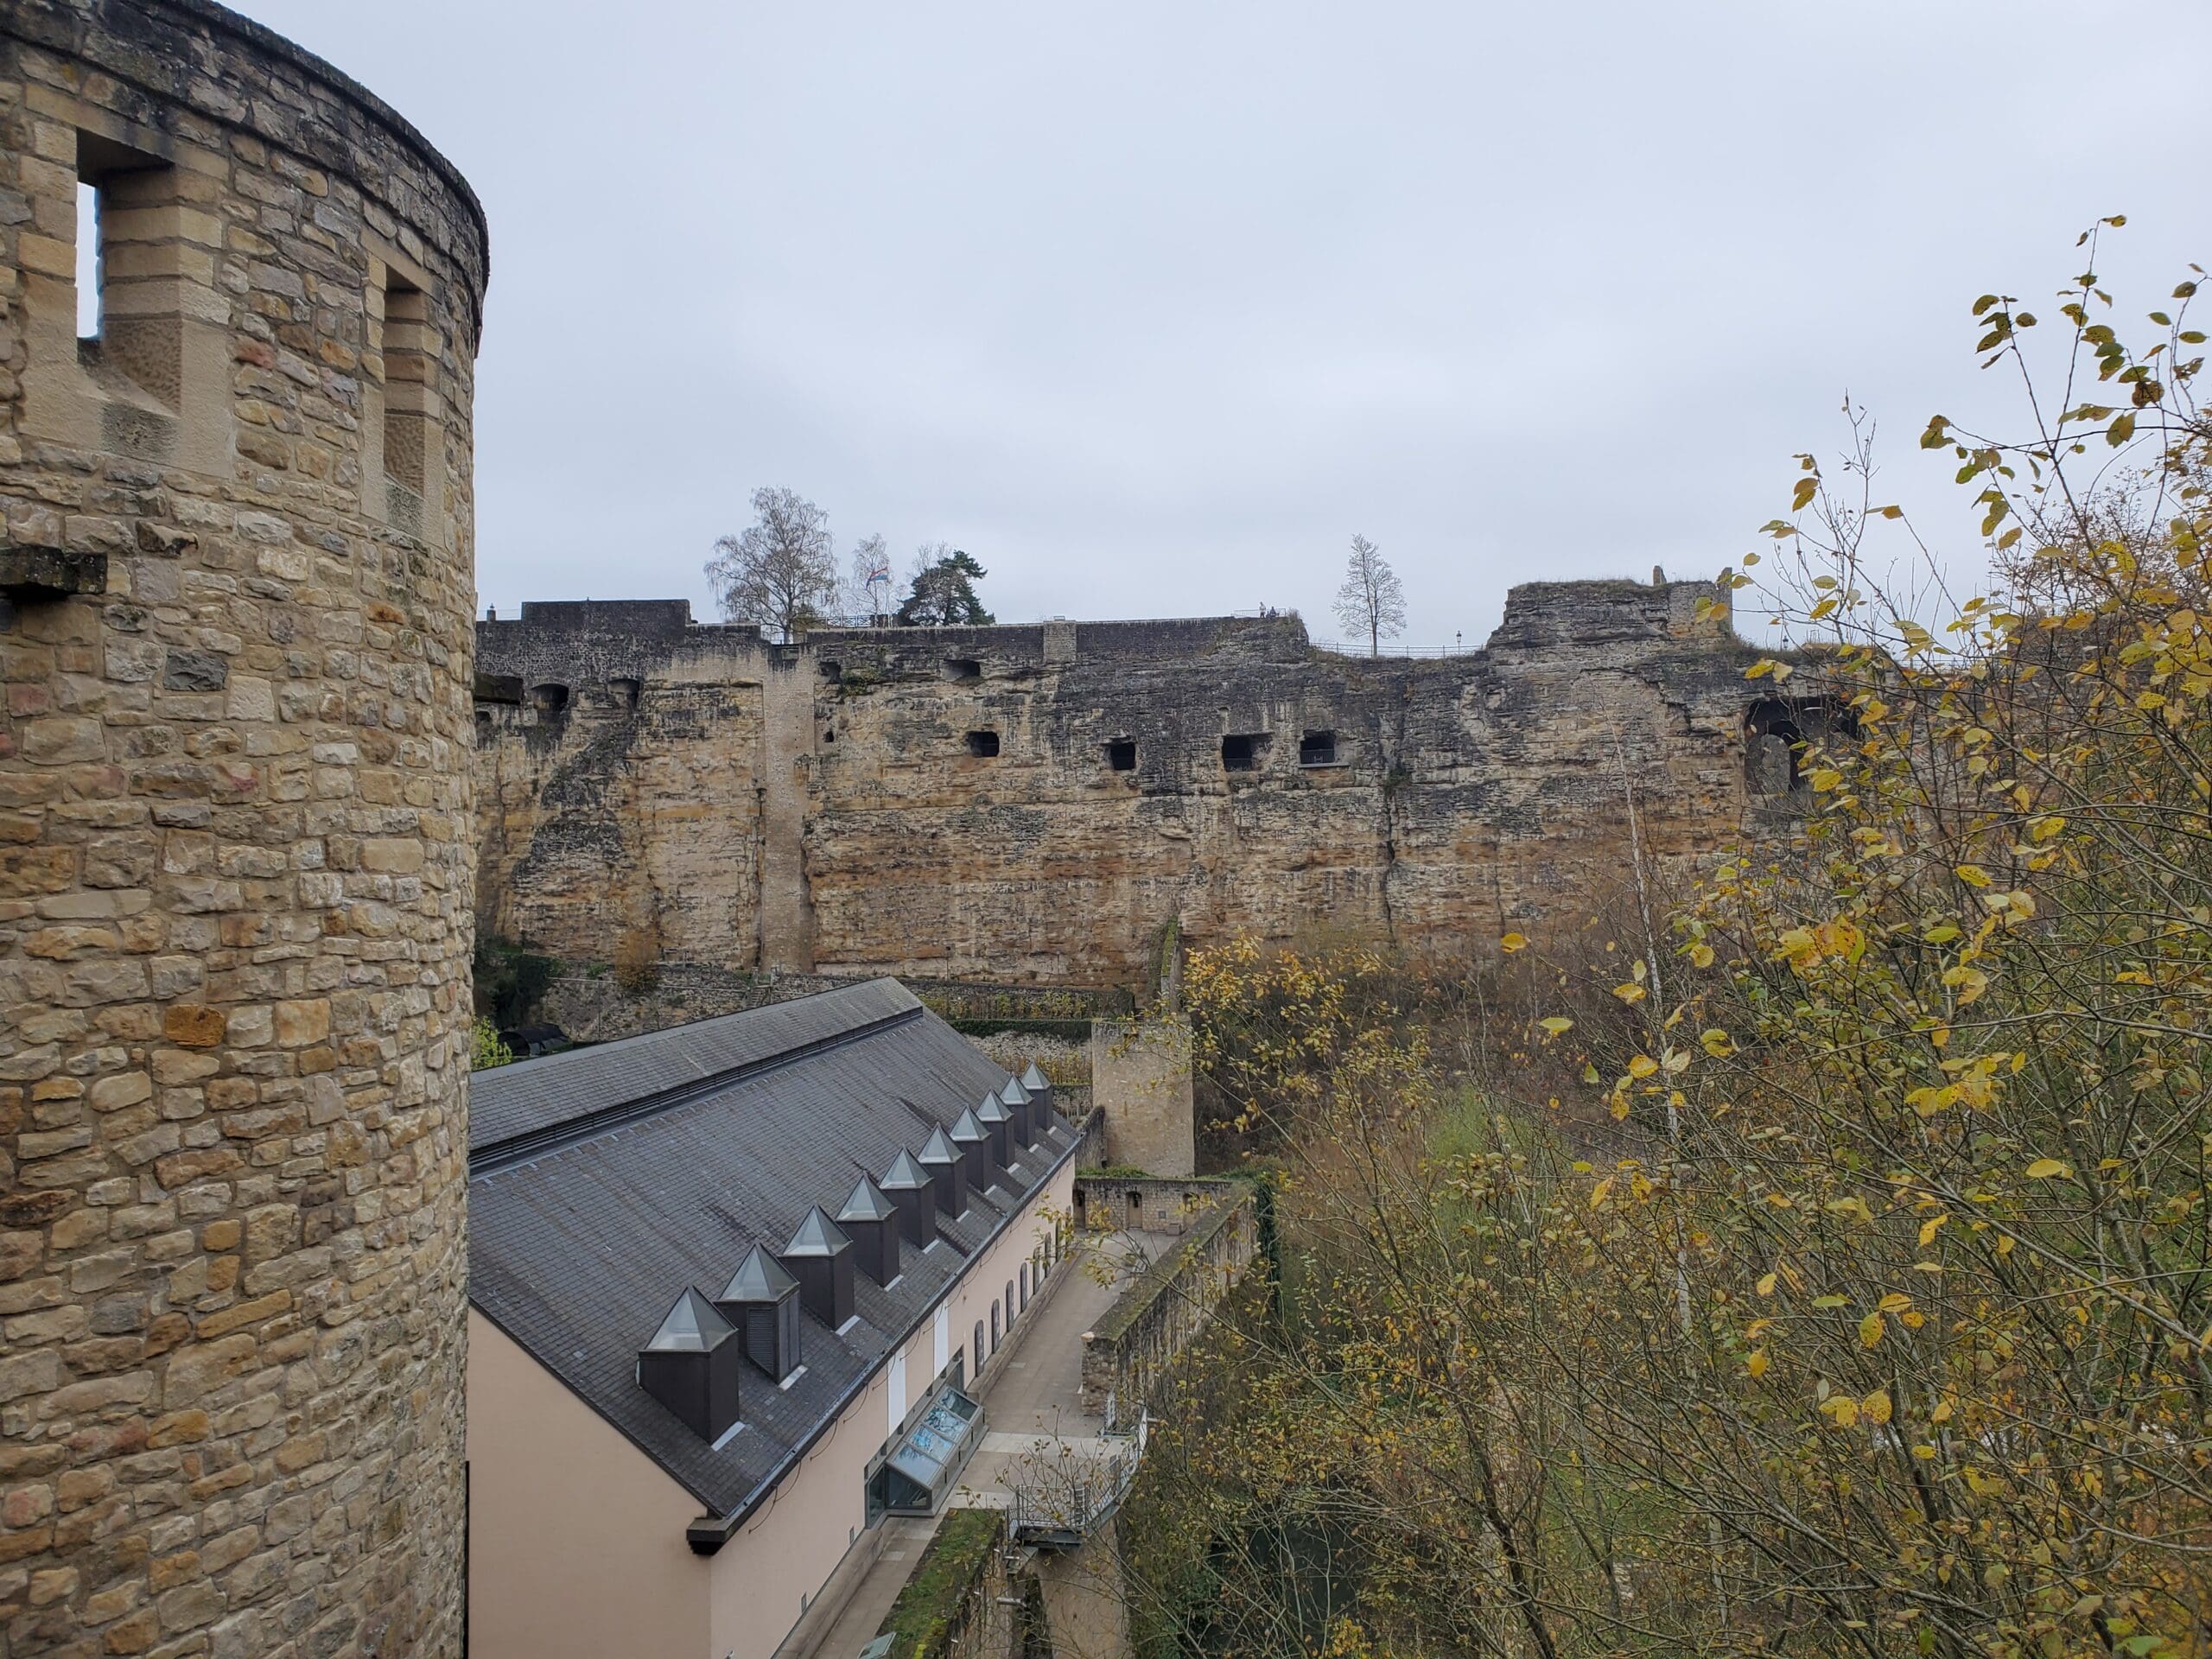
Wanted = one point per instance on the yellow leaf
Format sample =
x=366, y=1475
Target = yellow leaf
x=1875, y=1406
x=1766, y=1284
x=1599, y=1192
x=1929, y=1230
x=1972, y=874
x=1642, y=1066
x=1942, y=1414
x=1701, y=955
x=1756, y=1363
x=1843, y=1410
x=1825, y=778
x=1896, y=1302
x=1871, y=1329
x=2045, y=1168
x=1629, y=993
x=1555, y=1023
x=1513, y=941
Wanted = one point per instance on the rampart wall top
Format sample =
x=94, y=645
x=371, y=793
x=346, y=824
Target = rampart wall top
x=178, y=58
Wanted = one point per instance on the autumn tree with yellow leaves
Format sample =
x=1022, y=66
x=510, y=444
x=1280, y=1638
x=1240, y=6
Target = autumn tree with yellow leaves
x=1884, y=1324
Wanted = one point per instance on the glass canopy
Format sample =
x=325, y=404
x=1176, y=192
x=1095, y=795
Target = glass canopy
x=925, y=1461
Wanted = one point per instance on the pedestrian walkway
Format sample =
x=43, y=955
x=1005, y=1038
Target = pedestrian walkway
x=1032, y=1394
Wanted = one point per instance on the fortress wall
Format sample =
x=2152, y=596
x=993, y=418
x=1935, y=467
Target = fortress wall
x=235, y=846
x=1464, y=796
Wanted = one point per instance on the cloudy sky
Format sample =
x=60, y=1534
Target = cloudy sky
x=1151, y=306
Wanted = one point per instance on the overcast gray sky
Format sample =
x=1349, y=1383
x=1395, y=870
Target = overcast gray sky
x=1151, y=306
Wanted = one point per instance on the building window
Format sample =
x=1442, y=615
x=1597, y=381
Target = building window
x=979, y=1342
x=1121, y=754
x=88, y=260
x=1009, y=1304
x=963, y=668
x=1239, y=751
x=982, y=745
x=1318, y=749
x=995, y=1327
x=1025, y=1287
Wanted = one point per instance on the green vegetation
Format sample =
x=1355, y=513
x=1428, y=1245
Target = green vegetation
x=1817, y=1265
x=508, y=982
x=485, y=1048
x=934, y=1607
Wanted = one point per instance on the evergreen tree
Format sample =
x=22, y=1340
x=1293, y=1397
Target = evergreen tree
x=942, y=593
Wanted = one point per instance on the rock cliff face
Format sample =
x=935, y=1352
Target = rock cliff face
x=1044, y=803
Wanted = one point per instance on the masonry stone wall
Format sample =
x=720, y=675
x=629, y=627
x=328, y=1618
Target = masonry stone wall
x=1127, y=1354
x=1053, y=803
x=1141, y=1079
x=236, y=851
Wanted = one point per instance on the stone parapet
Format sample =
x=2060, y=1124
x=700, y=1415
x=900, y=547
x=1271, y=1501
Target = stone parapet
x=1127, y=1353
x=236, y=855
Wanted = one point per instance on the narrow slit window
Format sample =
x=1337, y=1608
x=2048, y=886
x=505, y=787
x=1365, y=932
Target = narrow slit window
x=982, y=745
x=89, y=272
x=1318, y=749
x=406, y=383
x=1121, y=754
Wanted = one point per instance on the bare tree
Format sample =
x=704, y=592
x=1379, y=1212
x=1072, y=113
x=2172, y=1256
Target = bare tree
x=1371, y=601
x=867, y=583
x=779, y=572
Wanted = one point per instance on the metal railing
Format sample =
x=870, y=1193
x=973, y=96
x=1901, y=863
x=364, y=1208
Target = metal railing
x=1061, y=1503
x=1359, y=648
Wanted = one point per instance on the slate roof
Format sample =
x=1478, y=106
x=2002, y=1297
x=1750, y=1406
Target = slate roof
x=606, y=1181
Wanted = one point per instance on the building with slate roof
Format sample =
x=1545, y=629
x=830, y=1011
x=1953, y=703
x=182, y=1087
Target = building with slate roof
x=727, y=1283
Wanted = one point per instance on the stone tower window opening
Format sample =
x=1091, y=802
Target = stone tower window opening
x=963, y=668
x=549, y=699
x=129, y=313
x=407, y=382
x=982, y=745
x=1121, y=754
x=626, y=693
x=1318, y=749
x=89, y=274
x=1241, y=750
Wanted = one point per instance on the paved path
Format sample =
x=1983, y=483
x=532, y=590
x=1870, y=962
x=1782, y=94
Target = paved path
x=1031, y=1392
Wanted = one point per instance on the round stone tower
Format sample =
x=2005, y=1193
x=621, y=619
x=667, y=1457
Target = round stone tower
x=239, y=302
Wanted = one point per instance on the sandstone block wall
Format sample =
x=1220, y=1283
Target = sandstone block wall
x=1141, y=1079
x=1047, y=802
x=235, y=847
x=1126, y=1356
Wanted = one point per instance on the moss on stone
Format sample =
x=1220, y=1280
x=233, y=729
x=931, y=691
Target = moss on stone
x=932, y=1610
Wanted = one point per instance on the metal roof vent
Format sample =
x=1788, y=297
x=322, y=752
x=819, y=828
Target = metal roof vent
x=999, y=1123
x=1038, y=1087
x=1020, y=1110
x=691, y=1366
x=909, y=1186
x=945, y=1165
x=871, y=1220
x=821, y=1256
x=974, y=1143
x=762, y=1300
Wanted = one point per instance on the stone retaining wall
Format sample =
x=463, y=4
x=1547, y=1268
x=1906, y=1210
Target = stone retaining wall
x=1126, y=1355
